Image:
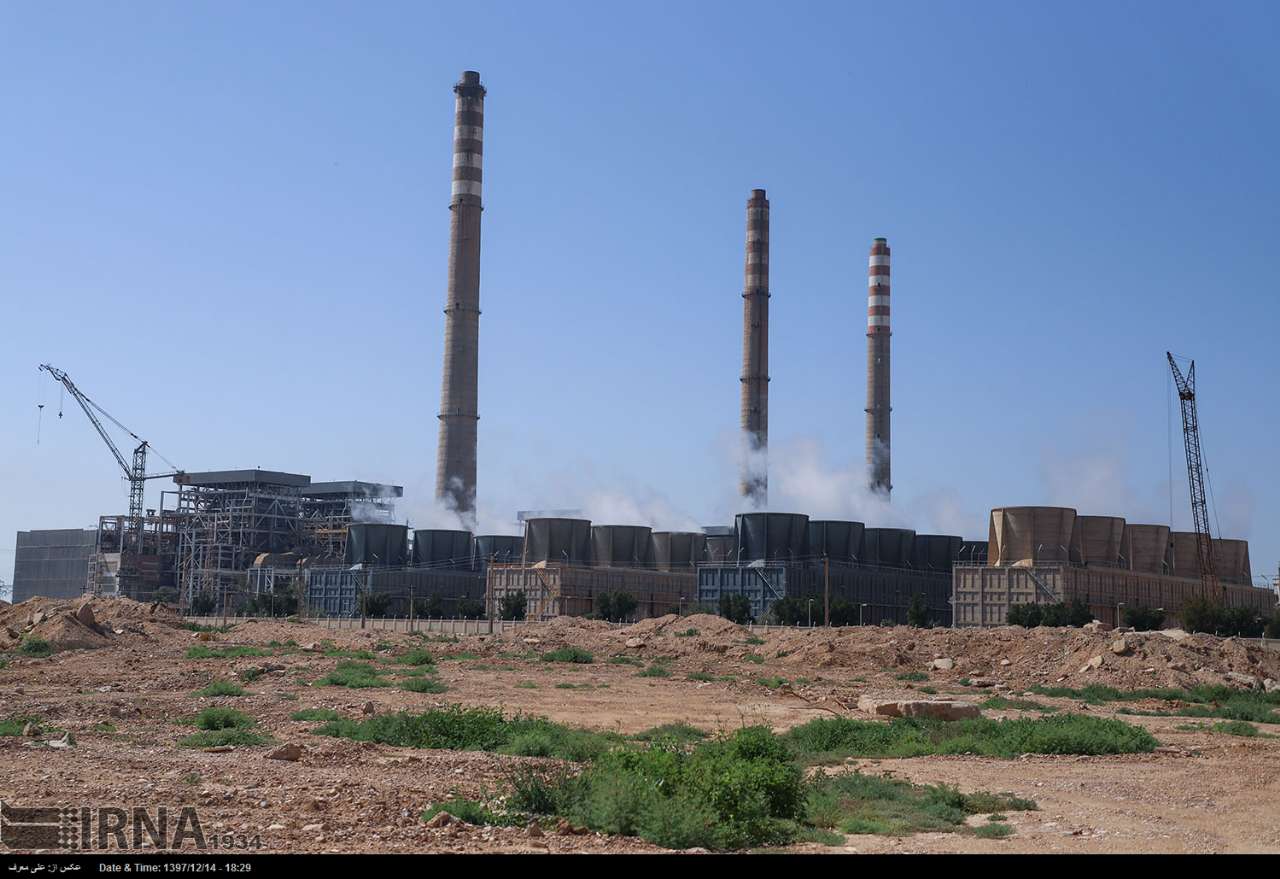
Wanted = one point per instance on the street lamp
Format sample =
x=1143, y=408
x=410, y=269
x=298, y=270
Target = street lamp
x=860, y=607
x=811, y=613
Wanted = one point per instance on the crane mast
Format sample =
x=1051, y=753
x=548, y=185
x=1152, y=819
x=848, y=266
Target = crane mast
x=1186, y=385
x=134, y=468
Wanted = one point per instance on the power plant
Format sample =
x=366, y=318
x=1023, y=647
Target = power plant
x=459, y=394
x=233, y=540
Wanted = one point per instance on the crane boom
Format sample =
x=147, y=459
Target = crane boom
x=135, y=468
x=1186, y=385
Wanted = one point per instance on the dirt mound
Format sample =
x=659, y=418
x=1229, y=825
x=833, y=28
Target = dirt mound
x=82, y=623
x=702, y=624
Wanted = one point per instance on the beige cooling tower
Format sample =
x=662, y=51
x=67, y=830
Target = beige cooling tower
x=1025, y=536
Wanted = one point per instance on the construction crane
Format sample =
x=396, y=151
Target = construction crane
x=135, y=471
x=1186, y=385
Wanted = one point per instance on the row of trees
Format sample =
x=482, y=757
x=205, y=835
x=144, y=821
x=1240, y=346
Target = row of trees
x=802, y=612
x=1076, y=614
x=1210, y=617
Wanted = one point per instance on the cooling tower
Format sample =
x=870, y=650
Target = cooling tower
x=678, y=550
x=440, y=548
x=1098, y=541
x=1231, y=558
x=890, y=547
x=878, y=334
x=459, y=395
x=720, y=548
x=935, y=552
x=835, y=540
x=376, y=545
x=561, y=541
x=497, y=548
x=1185, y=556
x=621, y=546
x=1026, y=536
x=771, y=537
x=1147, y=548
x=755, y=351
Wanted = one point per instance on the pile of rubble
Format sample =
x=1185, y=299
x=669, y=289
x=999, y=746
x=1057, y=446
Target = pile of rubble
x=84, y=623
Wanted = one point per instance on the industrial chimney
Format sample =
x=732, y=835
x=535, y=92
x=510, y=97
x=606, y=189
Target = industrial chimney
x=755, y=353
x=878, y=334
x=459, y=405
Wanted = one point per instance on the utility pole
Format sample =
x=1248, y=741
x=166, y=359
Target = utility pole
x=826, y=589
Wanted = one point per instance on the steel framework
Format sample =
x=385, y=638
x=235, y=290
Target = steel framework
x=1186, y=385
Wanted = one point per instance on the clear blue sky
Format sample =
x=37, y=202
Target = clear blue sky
x=228, y=222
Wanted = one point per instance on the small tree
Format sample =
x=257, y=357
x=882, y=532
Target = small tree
x=1272, y=629
x=1201, y=615
x=375, y=604
x=470, y=609
x=786, y=611
x=1026, y=615
x=1144, y=619
x=429, y=608
x=615, y=606
x=917, y=613
x=203, y=604
x=513, y=605
x=735, y=607
x=843, y=613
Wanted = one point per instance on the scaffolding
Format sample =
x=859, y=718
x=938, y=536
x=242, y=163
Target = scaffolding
x=230, y=518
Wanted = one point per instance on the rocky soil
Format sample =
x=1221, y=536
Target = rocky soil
x=120, y=684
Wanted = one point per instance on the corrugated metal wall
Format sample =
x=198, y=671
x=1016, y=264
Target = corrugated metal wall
x=53, y=563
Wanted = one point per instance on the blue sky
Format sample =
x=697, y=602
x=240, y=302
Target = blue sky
x=228, y=222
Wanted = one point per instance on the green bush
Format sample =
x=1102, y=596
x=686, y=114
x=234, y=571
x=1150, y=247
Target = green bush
x=680, y=733
x=615, y=606
x=422, y=685
x=735, y=607
x=224, y=737
x=730, y=793
x=655, y=671
x=15, y=724
x=917, y=612
x=471, y=811
x=417, y=656
x=222, y=718
x=221, y=688
x=569, y=654
x=1144, y=619
x=202, y=651
x=37, y=648
x=513, y=605
x=316, y=714
x=1029, y=616
x=475, y=729
x=913, y=676
x=356, y=675
x=857, y=803
x=826, y=739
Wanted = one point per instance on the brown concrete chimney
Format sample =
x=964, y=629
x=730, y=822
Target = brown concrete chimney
x=459, y=403
x=878, y=408
x=755, y=352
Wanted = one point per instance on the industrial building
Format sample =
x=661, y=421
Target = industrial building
x=568, y=564
x=1045, y=555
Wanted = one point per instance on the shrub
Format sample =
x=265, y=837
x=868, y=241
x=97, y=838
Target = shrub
x=655, y=671
x=471, y=609
x=316, y=714
x=374, y=604
x=513, y=606
x=1144, y=619
x=224, y=737
x=825, y=739
x=917, y=612
x=857, y=803
x=202, y=651
x=475, y=729
x=422, y=685
x=1029, y=616
x=671, y=732
x=471, y=811
x=569, y=654
x=221, y=688
x=37, y=648
x=754, y=657
x=736, y=608
x=356, y=675
x=913, y=676
x=222, y=718
x=615, y=606
x=417, y=656
x=15, y=724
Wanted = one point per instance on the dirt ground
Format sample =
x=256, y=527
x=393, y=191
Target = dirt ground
x=122, y=685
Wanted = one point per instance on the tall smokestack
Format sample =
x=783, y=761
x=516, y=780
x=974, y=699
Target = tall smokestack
x=459, y=404
x=878, y=335
x=755, y=352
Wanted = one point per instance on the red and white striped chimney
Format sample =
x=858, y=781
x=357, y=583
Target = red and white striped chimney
x=878, y=334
